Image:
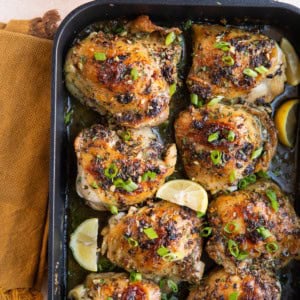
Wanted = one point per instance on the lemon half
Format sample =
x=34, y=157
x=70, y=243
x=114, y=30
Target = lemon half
x=83, y=244
x=184, y=192
x=286, y=122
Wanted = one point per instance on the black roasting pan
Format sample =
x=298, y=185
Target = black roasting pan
x=282, y=16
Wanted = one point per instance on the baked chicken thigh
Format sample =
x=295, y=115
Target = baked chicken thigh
x=117, y=286
x=252, y=228
x=121, y=167
x=236, y=64
x=258, y=285
x=221, y=144
x=129, y=75
x=159, y=240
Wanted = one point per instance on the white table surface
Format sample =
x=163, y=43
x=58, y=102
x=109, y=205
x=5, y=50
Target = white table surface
x=28, y=9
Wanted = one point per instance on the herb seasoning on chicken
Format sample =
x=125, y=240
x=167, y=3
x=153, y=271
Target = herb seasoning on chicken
x=130, y=75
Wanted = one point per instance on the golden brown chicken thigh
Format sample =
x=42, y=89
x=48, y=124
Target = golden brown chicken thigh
x=221, y=144
x=117, y=286
x=252, y=228
x=130, y=75
x=258, y=285
x=121, y=167
x=159, y=240
x=235, y=63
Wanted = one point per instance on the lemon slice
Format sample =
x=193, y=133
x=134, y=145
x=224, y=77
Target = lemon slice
x=292, y=61
x=84, y=244
x=286, y=122
x=184, y=192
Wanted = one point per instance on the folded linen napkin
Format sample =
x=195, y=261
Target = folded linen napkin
x=25, y=70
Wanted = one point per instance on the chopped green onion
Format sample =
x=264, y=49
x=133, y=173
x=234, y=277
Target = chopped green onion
x=273, y=198
x=224, y=46
x=109, y=298
x=113, y=209
x=233, y=296
x=100, y=56
x=169, y=257
x=243, y=183
x=261, y=70
x=172, y=285
x=105, y=265
x=257, y=153
x=230, y=136
x=213, y=137
x=233, y=248
x=228, y=60
x=272, y=247
x=194, y=99
x=187, y=25
x=232, y=176
x=151, y=233
x=134, y=74
x=262, y=174
x=94, y=185
x=231, y=227
x=148, y=175
x=200, y=214
x=170, y=38
x=249, y=72
x=215, y=100
x=112, y=171
x=242, y=255
x=162, y=251
x=128, y=185
x=68, y=116
x=125, y=135
x=135, y=276
x=265, y=233
x=172, y=89
x=206, y=231
x=216, y=157
x=132, y=242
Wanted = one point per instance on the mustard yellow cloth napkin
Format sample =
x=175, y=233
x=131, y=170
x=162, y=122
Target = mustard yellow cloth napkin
x=25, y=68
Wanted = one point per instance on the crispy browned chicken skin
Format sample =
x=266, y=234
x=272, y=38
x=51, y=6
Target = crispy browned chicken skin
x=159, y=240
x=250, y=230
x=121, y=167
x=220, y=144
x=258, y=285
x=130, y=78
x=115, y=286
x=222, y=58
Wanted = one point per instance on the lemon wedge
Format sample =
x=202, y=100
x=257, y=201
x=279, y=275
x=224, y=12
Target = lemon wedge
x=184, y=192
x=286, y=122
x=83, y=244
x=292, y=61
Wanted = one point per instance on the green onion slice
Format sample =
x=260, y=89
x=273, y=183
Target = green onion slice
x=135, y=276
x=134, y=74
x=224, y=46
x=162, y=251
x=242, y=255
x=215, y=100
x=272, y=247
x=257, y=153
x=231, y=136
x=233, y=296
x=172, y=285
x=113, y=209
x=249, y=72
x=100, y=56
x=125, y=135
x=273, y=198
x=233, y=248
x=94, y=185
x=170, y=38
x=262, y=174
x=243, y=183
x=232, y=176
x=216, y=157
x=112, y=171
x=228, y=60
x=172, y=89
x=194, y=99
x=200, y=214
x=231, y=227
x=213, y=137
x=265, y=233
x=149, y=175
x=261, y=70
x=169, y=257
x=206, y=231
x=151, y=233
x=128, y=185
x=132, y=242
